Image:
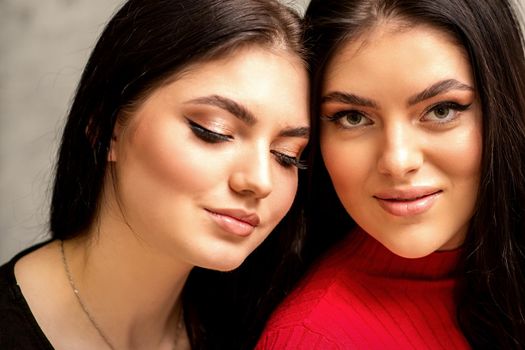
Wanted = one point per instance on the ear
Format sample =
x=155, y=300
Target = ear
x=113, y=146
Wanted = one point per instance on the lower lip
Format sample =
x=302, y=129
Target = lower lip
x=409, y=208
x=232, y=225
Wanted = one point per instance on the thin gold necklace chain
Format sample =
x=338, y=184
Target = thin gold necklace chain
x=82, y=305
x=88, y=314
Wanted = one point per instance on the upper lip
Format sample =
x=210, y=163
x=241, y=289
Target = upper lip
x=406, y=194
x=238, y=214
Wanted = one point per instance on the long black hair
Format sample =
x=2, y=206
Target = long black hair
x=491, y=301
x=144, y=45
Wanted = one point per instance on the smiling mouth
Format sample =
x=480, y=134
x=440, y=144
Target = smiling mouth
x=409, y=204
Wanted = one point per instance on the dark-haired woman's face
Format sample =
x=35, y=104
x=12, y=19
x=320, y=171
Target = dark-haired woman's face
x=207, y=166
x=401, y=137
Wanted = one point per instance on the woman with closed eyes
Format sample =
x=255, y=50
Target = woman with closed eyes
x=419, y=177
x=180, y=155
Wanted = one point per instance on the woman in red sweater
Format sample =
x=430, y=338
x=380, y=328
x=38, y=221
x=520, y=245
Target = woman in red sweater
x=420, y=107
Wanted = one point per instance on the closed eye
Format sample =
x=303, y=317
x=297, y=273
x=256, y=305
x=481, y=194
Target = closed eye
x=289, y=161
x=207, y=135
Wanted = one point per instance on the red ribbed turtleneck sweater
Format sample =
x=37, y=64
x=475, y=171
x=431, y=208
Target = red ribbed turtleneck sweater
x=362, y=296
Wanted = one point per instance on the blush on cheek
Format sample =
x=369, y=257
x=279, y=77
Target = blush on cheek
x=281, y=199
x=348, y=166
x=169, y=156
x=461, y=154
x=347, y=190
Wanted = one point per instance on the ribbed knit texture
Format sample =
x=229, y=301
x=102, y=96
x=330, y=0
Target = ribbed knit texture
x=362, y=296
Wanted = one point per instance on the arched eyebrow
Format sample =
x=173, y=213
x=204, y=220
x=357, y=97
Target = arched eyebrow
x=437, y=89
x=303, y=132
x=244, y=114
x=236, y=109
x=348, y=98
x=432, y=91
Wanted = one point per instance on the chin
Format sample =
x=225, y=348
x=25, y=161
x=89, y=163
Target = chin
x=412, y=253
x=407, y=247
x=226, y=266
x=414, y=250
x=224, y=261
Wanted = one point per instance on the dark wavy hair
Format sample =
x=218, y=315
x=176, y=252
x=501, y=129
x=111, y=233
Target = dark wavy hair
x=491, y=301
x=144, y=45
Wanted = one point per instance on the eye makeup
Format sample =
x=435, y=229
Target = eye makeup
x=206, y=134
x=213, y=137
x=452, y=108
x=289, y=161
x=348, y=119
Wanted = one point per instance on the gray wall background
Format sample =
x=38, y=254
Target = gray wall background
x=43, y=48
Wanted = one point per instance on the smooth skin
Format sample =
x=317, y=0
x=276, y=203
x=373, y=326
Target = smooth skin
x=200, y=173
x=401, y=136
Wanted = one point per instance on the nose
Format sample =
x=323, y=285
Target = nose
x=253, y=173
x=401, y=152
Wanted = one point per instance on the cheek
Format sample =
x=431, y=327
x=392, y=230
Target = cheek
x=282, y=196
x=348, y=164
x=459, y=157
x=165, y=160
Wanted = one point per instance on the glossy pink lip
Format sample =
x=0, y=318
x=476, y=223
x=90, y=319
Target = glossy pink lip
x=235, y=221
x=408, y=202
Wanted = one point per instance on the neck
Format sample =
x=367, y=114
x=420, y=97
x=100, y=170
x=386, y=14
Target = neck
x=131, y=291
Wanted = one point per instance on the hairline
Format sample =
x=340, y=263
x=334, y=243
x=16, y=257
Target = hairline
x=276, y=46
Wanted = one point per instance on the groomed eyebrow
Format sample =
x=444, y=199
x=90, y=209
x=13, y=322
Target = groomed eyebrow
x=245, y=115
x=348, y=98
x=437, y=89
x=303, y=132
x=229, y=105
x=432, y=91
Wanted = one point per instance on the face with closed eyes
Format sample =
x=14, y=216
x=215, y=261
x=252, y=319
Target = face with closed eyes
x=208, y=164
x=401, y=137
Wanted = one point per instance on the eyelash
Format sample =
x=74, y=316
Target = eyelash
x=453, y=106
x=207, y=135
x=336, y=118
x=214, y=137
x=288, y=161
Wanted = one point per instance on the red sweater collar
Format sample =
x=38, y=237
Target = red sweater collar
x=371, y=257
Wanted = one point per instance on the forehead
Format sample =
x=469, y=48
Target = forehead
x=246, y=65
x=264, y=80
x=402, y=52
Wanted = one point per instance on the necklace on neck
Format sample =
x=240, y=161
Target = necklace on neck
x=82, y=305
x=104, y=337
